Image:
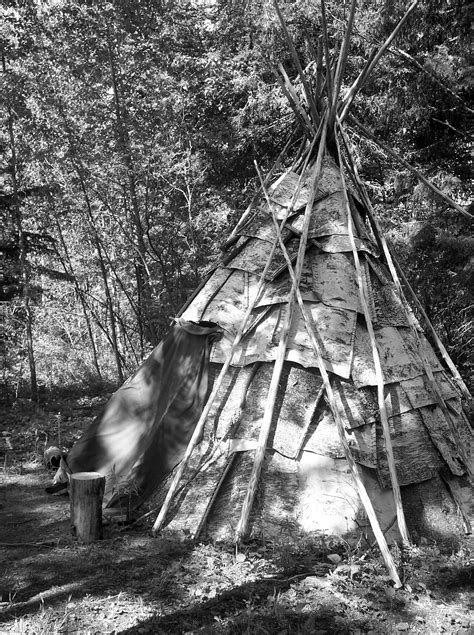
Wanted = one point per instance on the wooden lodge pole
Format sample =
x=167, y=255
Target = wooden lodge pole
x=243, y=524
x=87, y=492
x=371, y=63
x=377, y=366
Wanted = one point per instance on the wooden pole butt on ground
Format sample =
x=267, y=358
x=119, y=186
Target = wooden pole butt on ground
x=87, y=492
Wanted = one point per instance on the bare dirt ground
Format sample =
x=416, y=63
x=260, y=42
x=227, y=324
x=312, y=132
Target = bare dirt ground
x=131, y=582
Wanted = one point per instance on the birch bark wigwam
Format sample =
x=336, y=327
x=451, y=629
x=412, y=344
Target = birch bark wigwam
x=327, y=409
x=339, y=230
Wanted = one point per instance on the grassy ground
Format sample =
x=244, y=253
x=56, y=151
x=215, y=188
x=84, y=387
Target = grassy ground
x=132, y=582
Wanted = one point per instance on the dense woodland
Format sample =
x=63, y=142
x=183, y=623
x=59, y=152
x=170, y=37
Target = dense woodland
x=129, y=135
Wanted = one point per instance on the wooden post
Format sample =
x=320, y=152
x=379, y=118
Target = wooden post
x=87, y=492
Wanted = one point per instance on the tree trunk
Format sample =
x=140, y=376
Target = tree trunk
x=103, y=269
x=69, y=269
x=87, y=492
x=22, y=248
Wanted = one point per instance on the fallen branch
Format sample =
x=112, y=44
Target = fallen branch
x=46, y=543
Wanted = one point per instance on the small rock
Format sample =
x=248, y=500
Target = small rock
x=402, y=626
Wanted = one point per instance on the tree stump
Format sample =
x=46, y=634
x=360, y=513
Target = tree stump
x=87, y=492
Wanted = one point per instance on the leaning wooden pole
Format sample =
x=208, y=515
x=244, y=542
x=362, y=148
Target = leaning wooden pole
x=327, y=58
x=242, y=526
x=341, y=62
x=293, y=100
x=372, y=62
x=296, y=60
x=377, y=364
x=318, y=348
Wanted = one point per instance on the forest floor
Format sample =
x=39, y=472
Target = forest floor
x=131, y=582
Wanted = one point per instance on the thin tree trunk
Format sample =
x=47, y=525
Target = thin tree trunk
x=103, y=269
x=68, y=268
x=24, y=273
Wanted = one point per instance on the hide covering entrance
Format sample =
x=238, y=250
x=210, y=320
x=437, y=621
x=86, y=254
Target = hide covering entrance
x=146, y=425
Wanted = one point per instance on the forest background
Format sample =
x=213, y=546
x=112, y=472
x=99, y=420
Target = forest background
x=129, y=135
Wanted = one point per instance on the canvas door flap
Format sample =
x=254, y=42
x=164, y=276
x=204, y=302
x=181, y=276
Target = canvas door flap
x=399, y=356
x=416, y=458
x=299, y=394
x=255, y=255
x=442, y=436
x=147, y=423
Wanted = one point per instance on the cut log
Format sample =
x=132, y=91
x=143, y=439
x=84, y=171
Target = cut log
x=87, y=492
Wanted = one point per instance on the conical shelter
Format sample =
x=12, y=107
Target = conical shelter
x=327, y=408
x=305, y=480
